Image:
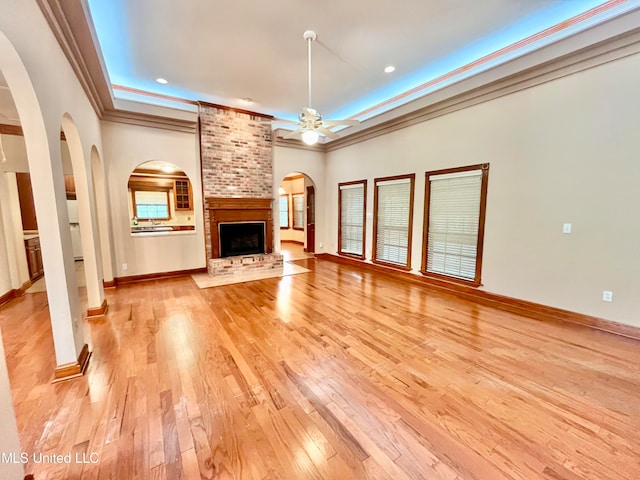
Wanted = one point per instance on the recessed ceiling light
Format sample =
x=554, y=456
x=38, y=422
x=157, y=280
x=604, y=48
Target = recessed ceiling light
x=163, y=81
x=247, y=100
x=389, y=69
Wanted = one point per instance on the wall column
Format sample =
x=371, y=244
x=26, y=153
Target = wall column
x=57, y=257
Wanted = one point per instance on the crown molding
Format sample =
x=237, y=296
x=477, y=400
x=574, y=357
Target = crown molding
x=445, y=101
x=71, y=24
x=615, y=48
x=201, y=103
x=148, y=120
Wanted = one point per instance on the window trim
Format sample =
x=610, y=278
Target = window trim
x=364, y=219
x=293, y=211
x=476, y=282
x=288, y=212
x=412, y=181
x=135, y=206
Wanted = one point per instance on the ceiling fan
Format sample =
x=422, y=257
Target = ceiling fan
x=311, y=126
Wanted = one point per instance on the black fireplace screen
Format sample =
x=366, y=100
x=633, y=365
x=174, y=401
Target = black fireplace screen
x=241, y=238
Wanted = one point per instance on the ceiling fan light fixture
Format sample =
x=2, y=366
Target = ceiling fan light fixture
x=310, y=123
x=310, y=137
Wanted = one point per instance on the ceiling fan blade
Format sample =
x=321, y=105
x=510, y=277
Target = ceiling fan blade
x=294, y=133
x=327, y=133
x=335, y=123
x=283, y=120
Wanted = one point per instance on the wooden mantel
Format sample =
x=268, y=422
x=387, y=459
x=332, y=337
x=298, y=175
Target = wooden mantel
x=223, y=209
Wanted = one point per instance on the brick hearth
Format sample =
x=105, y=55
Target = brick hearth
x=244, y=264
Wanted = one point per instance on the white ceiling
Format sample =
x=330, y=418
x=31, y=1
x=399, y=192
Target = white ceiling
x=221, y=50
x=235, y=49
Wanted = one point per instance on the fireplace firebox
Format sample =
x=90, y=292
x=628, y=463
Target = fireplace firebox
x=239, y=211
x=241, y=238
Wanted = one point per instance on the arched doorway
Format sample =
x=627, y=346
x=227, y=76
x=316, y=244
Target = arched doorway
x=42, y=145
x=102, y=213
x=87, y=243
x=296, y=214
x=14, y=266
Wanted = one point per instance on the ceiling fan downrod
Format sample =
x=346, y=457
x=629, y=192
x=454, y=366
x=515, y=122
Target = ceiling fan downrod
x=309, y=36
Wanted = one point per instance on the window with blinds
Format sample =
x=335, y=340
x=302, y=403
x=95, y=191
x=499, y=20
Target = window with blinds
x=151, y=205
x=284, y=211
x=455, y=201
x=298, y=211
x=393, y=216
x=352, y=207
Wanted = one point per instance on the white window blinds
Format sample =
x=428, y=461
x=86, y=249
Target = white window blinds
x=151, y=204
x=284, y=211
x=454, y=216
x=352, y=218
x=298, y=211
x=393, y=202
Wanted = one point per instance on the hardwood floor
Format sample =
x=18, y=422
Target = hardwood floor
x=333, y=374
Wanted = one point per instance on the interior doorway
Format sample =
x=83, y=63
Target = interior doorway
x=297, y=212
x=311, y=219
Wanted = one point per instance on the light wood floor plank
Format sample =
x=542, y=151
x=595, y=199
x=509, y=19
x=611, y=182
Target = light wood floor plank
x=333, y=374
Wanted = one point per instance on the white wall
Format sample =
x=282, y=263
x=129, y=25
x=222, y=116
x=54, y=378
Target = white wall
x=125, y=147
x=16, y=153
x=562, y=152
x=311, y=163
x=13, y=258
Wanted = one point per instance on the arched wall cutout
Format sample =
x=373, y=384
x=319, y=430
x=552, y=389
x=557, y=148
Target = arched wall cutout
x=160, y=200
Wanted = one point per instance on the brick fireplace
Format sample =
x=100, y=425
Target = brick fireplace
x=237, y=181
x=224, y=211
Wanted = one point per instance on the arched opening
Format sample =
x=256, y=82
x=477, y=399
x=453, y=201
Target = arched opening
x=83, y=231
x=102, y=213
x=296, y=215
x=160, y=200
x=19, y=105
x=40, y=146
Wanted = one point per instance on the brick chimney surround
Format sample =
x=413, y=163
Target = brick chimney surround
x=237, y=177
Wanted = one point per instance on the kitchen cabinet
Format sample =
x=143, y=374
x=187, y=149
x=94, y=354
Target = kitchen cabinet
x=70, y=187
x=34, y=257
x=27, y=207
x=183, y=196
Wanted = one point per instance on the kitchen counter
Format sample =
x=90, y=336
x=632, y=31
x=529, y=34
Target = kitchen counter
x=29, y=236
x=162, y=233
x=161, y=228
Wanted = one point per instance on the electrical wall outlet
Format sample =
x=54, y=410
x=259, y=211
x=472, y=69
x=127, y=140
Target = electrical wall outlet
x=566, y=228
x=607, y=296
x=124, y=266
